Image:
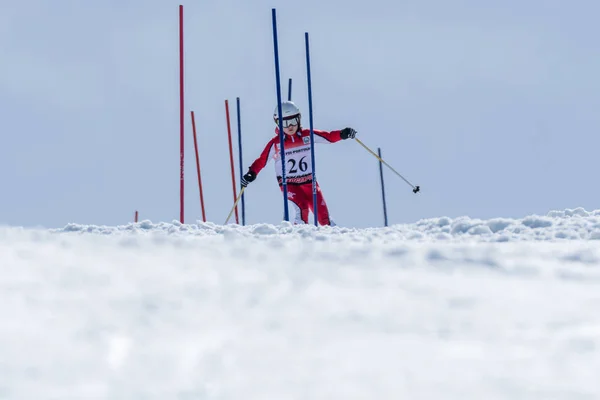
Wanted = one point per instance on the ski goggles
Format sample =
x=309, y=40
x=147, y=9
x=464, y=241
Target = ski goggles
x=291, y=121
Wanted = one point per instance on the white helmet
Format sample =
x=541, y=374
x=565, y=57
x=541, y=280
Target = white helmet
x=288, y=110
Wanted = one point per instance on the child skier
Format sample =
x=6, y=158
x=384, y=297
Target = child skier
x=298, y=162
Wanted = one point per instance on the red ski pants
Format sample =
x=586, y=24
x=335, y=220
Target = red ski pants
x=301, y=197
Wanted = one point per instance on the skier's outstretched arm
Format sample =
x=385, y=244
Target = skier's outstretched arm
x=333, y=136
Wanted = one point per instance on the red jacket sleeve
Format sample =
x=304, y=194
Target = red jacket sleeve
x=327, y=137
x=264, y=157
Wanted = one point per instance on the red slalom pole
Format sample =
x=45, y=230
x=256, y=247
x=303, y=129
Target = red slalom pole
x=181, y=116
x=237, y=219
x=198, y=168
x=135, y=219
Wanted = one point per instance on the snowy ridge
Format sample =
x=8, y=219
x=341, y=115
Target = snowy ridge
x=570, y=224
x=201, y=311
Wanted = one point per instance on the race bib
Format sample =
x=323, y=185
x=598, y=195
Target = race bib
x=297, y=162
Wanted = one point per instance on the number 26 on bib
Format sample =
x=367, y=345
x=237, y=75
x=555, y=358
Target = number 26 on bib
x=298, y=166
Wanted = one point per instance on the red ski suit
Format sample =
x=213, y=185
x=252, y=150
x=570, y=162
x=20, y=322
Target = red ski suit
x=298, y=170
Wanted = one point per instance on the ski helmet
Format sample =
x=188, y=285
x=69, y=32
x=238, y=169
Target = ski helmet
x=288, y=110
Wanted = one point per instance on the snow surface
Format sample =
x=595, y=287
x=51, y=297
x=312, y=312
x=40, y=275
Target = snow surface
x=440, y=309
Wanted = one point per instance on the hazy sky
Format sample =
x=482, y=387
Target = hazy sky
x=492, y=107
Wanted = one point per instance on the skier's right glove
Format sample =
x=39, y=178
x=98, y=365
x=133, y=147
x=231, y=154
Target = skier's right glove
x=249, y=177
x=348, y=133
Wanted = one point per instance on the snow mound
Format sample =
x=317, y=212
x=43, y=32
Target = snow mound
x=570, y=224
x=440, y=309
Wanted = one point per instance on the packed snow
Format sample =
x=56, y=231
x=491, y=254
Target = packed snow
x=444, y=308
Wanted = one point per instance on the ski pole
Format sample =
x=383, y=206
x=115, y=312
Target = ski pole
x=235, y=204
x=415, y=188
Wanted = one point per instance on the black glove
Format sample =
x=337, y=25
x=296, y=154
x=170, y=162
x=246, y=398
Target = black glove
x=348, y=133
x=249, y=177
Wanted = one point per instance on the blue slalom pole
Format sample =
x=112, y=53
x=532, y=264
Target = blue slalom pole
x=312, y=134
x=280, y=119
x=385, y=219
x=290, y=90
x=239, y=122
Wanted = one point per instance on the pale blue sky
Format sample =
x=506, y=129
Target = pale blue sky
x=492, y=107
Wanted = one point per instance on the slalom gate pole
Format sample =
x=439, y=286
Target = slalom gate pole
x=290, y=90
x=181, y=117
x=312, y=135
x=239, y=124
x=280, y=119
x=235, y=204
x=135, y=218
x=415, y=188
x=385, y=218
x=237, y=219
x=198, y=168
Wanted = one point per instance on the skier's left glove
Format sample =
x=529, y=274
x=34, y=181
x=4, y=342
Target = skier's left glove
x=348, y=133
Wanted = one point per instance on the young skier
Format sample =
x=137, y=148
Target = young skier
x=297, y=161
